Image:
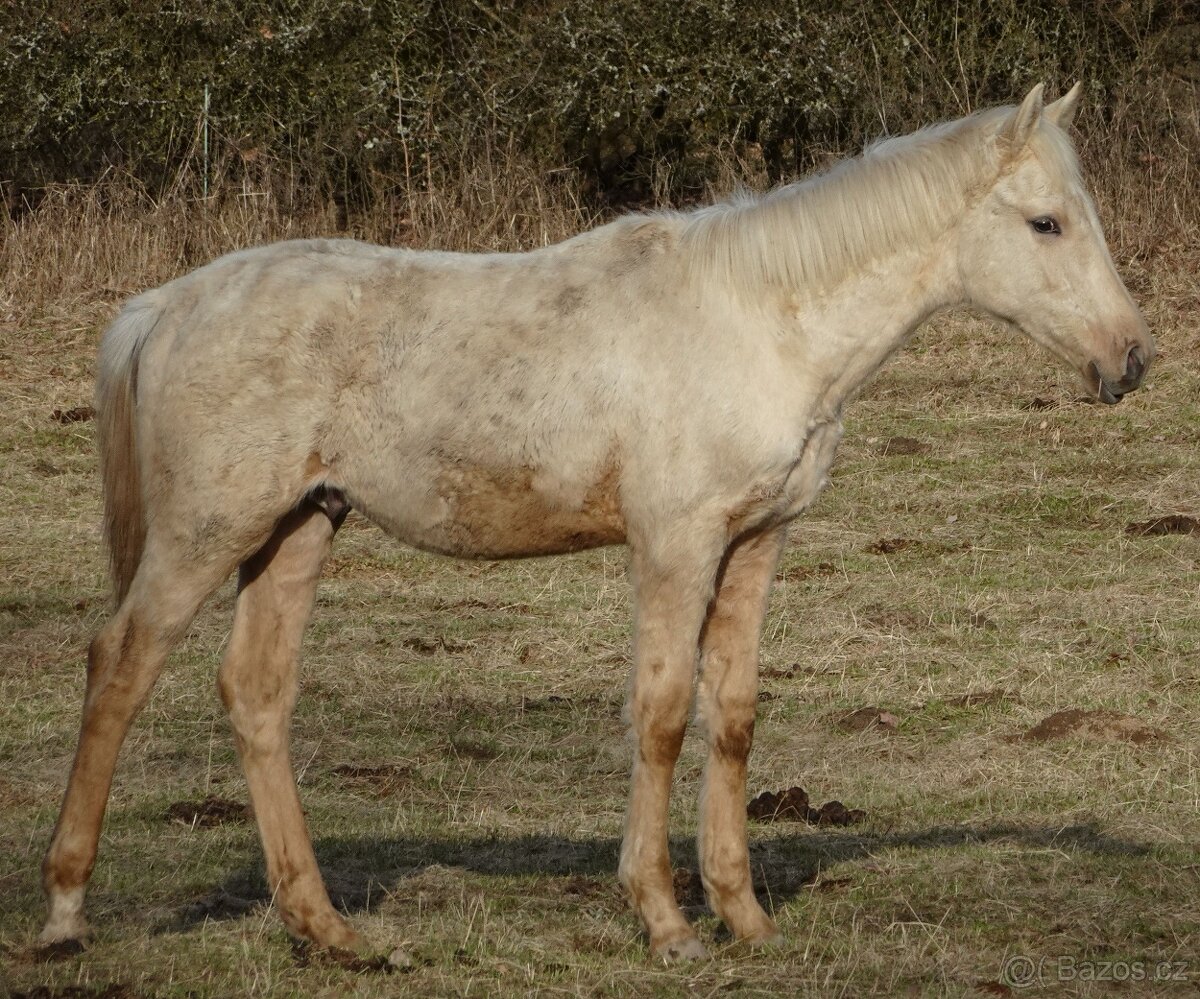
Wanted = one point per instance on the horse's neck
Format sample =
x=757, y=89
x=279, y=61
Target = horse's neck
x=846, y=335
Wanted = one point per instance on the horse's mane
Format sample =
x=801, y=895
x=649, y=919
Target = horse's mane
x=901, y=192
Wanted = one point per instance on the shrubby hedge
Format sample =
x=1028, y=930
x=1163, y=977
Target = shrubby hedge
x=343, y=91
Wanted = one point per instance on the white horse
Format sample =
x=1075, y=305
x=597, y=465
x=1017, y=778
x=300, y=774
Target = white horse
x=671, y=381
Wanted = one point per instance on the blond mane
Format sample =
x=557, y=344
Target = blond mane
x=901, y=192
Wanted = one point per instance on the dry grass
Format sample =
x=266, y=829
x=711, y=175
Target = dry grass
x=458, y=738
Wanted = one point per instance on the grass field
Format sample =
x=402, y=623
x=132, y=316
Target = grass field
x=459, y=742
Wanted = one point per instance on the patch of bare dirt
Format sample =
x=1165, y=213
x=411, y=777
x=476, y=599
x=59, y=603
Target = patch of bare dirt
x=474, y=603
x=1037, y=403
x=794, y=670
x=467, y=603
x=889, y=546
x=792, y=806
x=1175, y=523
x=554, y=702
x=306, y=955
x=45, y=469
x=77, y=414
x=378, y=779
x=593, y=889
x=902, y=446
x=979, y=698
x=864, y=719
x=427, y=646
x=209, y=813
x=1101, y=724
x=891, y=618
x=799, y=573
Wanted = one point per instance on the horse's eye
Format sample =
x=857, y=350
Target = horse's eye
x=1047, y=225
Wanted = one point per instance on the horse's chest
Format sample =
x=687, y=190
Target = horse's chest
x=509, y=513
x=790, y=493
x=811, y=473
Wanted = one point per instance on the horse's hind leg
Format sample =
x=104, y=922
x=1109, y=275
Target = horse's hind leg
x=124, y=661
x=276, y=588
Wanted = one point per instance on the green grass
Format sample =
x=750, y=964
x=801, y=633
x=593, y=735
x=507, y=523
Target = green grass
x=481, y=705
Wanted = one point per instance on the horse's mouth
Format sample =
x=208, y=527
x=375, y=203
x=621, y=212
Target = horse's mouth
x=1109, y=395
x=1137, y=362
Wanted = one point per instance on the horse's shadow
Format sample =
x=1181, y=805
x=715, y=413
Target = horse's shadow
x=362, y=871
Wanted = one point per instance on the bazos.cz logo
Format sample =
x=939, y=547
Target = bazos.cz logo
x=1021, y=971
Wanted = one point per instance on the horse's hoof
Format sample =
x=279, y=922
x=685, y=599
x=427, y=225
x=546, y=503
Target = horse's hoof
x=767, y=940
x=683, y=949
x=346, y=939
x=330, y=932
x=64, y=935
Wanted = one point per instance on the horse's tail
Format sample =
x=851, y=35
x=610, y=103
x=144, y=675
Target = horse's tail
x=116, y=418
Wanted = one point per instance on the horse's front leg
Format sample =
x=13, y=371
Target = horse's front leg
x=671, y=595
x=727, y=702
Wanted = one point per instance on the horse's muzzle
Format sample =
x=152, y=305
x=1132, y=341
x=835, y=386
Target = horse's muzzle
x=1137, y=363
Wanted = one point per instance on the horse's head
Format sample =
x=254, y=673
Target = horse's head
x=1032, y=252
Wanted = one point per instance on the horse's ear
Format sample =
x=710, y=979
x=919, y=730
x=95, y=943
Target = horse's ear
x=1062, y=111
x=1015, y=132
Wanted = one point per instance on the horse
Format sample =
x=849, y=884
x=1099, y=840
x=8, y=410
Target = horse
x=671, y=381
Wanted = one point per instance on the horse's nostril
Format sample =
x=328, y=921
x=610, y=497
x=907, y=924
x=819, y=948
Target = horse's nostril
x=1135, y=364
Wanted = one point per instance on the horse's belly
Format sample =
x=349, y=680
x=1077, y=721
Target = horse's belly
x=510, y=513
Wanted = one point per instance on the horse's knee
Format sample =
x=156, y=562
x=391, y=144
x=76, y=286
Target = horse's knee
x=729, y=728
x=732, y=744
x=259, y=702
x=659, y=719
x=662, y=743
x=122, y=666
x=229, y=688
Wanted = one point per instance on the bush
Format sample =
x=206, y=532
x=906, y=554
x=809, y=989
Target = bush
x=346, y=92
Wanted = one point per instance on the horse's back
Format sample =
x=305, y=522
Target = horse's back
x=470, y=403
